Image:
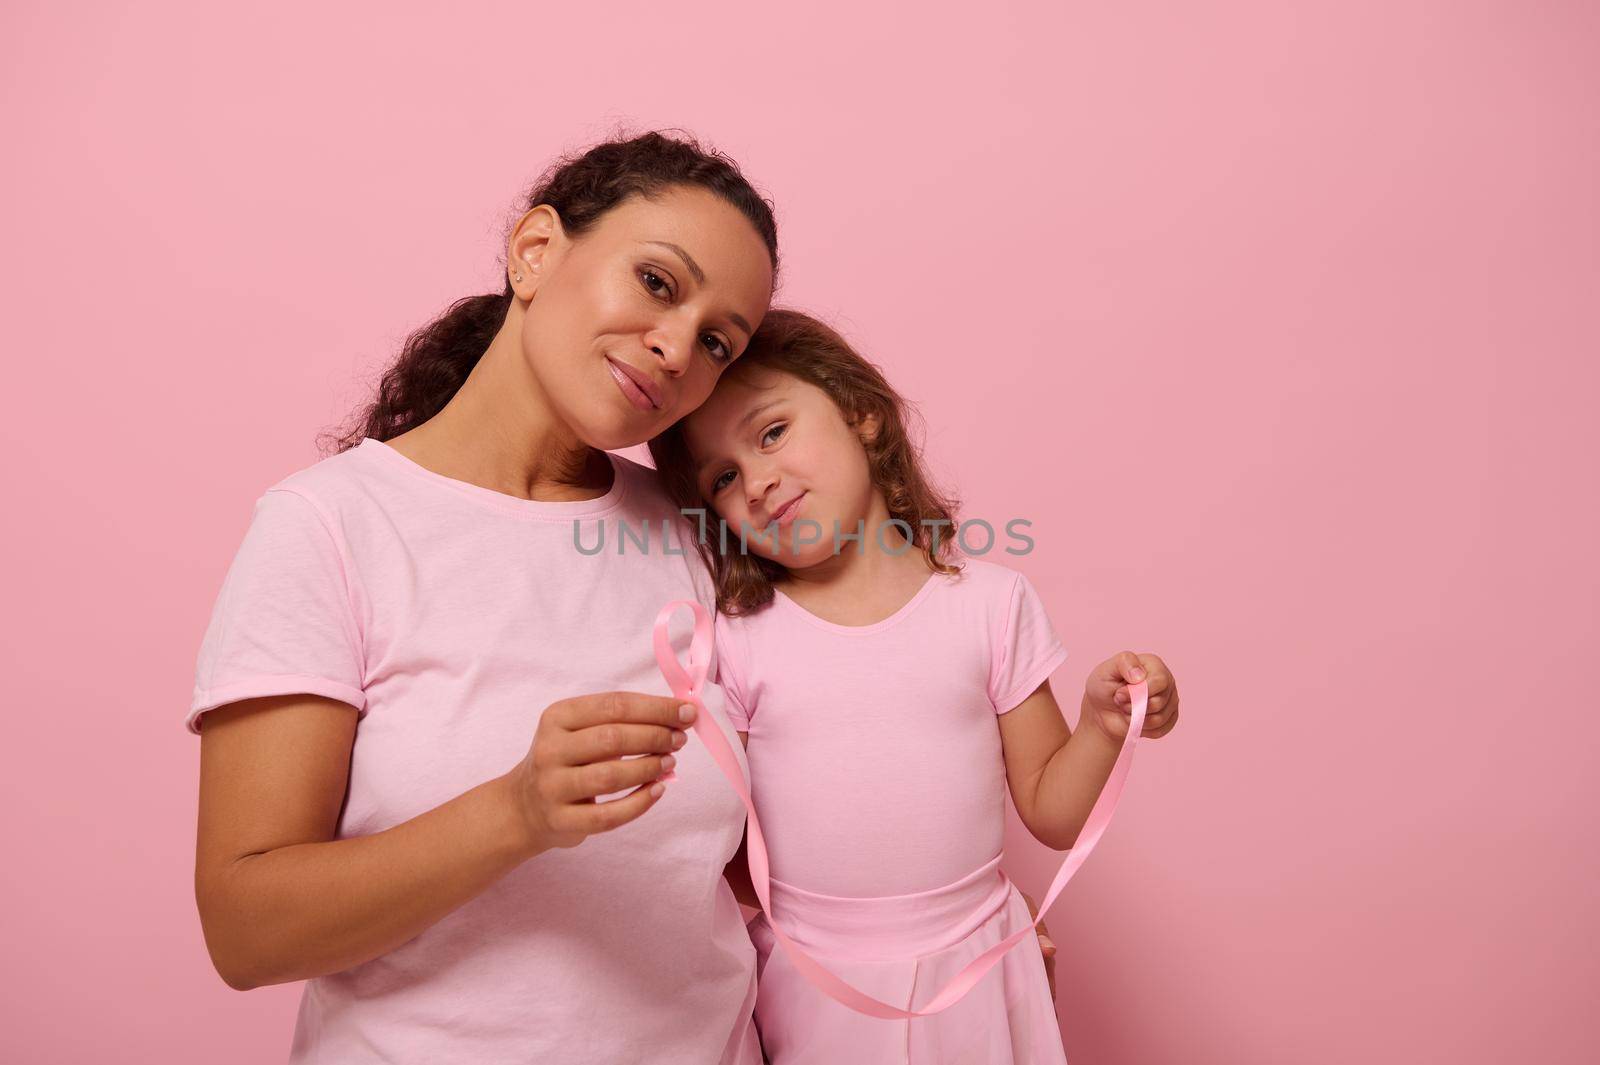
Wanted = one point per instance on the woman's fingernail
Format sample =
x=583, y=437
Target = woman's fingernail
x=1137, y=674
x=668, y=762
x=656, y=790
x=686, y=713
x=678, y=739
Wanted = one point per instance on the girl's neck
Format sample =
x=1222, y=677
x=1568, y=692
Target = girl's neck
x=860, y=587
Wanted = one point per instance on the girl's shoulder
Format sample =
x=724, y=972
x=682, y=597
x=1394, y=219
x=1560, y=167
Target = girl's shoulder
x=990, y=597
x=980, y=578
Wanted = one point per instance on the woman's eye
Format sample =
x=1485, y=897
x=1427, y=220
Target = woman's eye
x=657, y=284
x=718, y=349
x=773, y=433
x=723, y=480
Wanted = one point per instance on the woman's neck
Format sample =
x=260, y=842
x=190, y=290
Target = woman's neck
x=519, y=449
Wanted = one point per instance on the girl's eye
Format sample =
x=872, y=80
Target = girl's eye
x=724, y=479
x=657, y=284
x=768, y=436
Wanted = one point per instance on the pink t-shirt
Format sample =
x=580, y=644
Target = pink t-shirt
x=450, y=616
x=874, y=750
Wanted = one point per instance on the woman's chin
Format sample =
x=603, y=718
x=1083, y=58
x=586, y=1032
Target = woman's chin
x=615, y=430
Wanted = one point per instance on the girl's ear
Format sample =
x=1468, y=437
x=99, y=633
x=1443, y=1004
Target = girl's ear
x=867, y=427
x=536, y=239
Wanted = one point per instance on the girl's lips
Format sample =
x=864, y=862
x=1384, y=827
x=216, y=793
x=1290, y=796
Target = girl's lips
x=787, y=514
x=635, y=394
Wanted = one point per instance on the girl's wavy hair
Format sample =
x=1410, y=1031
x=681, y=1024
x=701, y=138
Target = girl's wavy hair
x=791, y=342
x=436, y=359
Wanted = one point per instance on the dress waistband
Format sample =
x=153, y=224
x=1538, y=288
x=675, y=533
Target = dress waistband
x=891, y=926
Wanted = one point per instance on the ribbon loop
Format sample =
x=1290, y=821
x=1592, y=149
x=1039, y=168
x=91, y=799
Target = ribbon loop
x=685, y=683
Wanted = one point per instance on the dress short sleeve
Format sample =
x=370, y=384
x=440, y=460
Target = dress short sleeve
x=730, y=675
x=1027, y=650
x=283, y=622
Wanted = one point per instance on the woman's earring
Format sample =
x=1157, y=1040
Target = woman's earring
x=519, y=277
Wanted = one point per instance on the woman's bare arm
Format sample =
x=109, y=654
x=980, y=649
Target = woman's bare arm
x=280, y=899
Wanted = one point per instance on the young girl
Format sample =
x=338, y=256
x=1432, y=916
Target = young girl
x=886, y=693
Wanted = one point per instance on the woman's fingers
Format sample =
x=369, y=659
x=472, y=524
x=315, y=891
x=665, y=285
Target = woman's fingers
x=601, y=743
x=1047, y=946
x=585, y=711
x=582, y=748
x=589, y=818
x=585, y=782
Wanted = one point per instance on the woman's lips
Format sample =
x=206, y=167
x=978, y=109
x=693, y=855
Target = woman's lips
x=630, y=388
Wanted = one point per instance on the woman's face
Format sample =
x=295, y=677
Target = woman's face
x=771, y=450
x=627, y=328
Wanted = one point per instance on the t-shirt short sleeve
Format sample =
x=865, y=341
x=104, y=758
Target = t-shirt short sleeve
x=283, y=622
x=1026, y=651
x=729, y=675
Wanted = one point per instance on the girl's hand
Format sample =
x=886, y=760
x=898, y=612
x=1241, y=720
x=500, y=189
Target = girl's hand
x=582, y=749
x=1106, y=701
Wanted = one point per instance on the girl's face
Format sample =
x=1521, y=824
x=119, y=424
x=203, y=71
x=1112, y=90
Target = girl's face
x=627, y=328
x=771, y=448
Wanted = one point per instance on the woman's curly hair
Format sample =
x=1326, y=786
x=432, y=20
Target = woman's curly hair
x=792, y=342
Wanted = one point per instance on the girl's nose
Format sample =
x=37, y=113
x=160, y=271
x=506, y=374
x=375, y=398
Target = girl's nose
x=760, y=484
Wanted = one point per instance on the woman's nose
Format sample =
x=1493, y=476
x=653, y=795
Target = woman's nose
x=672, y=348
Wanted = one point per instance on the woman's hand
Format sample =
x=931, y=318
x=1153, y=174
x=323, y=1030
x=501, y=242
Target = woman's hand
x=1107, y=703
x=1047, y=946
x=581, y=750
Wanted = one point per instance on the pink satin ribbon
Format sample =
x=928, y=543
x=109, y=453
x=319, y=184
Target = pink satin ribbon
x=686, y=684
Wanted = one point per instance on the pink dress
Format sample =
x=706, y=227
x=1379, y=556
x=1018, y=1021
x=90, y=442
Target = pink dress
x=877, y=771
x=449, y=616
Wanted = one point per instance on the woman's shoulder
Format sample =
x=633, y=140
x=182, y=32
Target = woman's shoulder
x=329, y=482
x=641, y=479
x=644, y=491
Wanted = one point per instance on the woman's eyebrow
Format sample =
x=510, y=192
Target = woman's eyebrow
x=688, y=260
x=699, y=276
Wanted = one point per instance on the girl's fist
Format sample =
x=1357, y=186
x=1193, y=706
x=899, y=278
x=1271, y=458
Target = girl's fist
x=1107, y=703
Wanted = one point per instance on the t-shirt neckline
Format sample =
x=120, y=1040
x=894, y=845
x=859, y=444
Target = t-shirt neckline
x=861, y=630
x=552, y=509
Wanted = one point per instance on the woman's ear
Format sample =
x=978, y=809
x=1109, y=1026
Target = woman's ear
x=867, y=426
x=536, y=239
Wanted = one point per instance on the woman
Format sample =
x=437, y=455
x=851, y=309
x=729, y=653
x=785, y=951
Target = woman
x=425, y=583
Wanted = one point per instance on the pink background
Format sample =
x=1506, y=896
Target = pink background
x=1278, y=320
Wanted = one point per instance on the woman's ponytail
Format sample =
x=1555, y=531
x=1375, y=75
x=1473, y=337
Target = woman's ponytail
x=432, y=367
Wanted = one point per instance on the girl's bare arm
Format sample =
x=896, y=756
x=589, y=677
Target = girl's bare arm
x=1055, y=774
